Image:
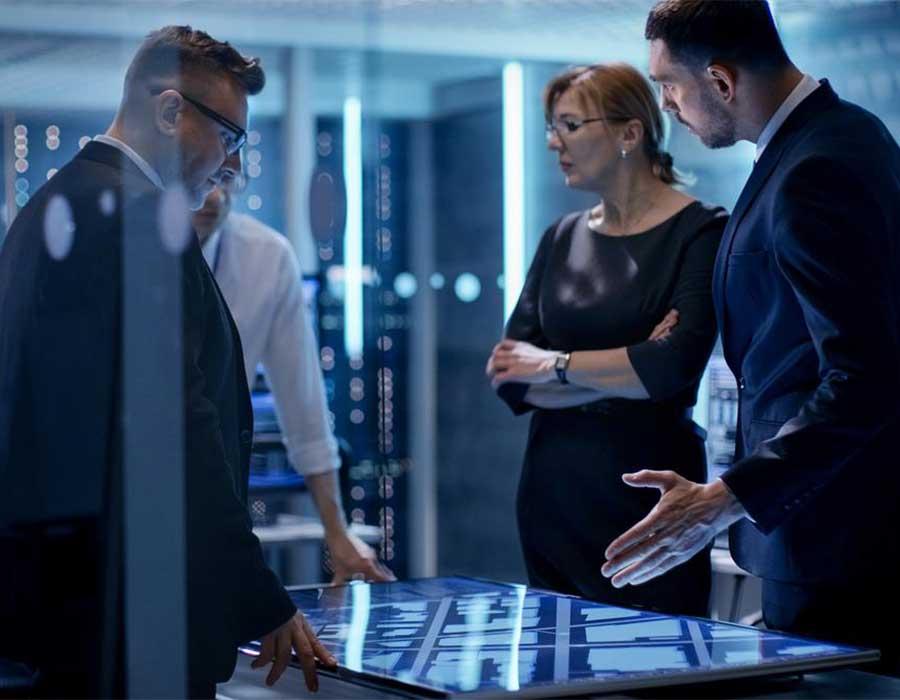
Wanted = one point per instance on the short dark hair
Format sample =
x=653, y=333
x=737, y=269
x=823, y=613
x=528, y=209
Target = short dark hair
x=183, y=52
x=699, y=32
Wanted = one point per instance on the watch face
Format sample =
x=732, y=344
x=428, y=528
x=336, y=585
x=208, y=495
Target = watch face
x=562, y=364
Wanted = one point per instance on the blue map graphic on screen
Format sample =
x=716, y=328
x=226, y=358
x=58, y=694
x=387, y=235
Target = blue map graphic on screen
x=458, y=636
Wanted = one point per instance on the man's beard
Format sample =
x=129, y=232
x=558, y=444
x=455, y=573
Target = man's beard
x=719, y=130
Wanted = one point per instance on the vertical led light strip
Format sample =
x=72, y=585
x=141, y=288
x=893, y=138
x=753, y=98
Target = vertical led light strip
x=513, y=186
x=353, y=231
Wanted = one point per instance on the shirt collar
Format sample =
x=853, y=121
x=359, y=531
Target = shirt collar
x=134, y=156
x=803, y=89
x=210, y=247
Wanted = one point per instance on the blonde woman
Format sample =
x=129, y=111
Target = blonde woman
x=608, y=341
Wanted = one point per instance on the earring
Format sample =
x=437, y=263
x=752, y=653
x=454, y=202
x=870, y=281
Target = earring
x=624, y=154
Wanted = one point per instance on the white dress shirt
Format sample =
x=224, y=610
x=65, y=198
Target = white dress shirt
x=259, y=276
x=801, y=91
x=134, y=156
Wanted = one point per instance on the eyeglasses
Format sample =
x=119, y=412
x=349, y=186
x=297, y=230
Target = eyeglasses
x=570, y=126
x=238, y=136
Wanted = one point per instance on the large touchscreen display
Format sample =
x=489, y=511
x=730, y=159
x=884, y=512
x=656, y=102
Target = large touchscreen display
x=458, y=636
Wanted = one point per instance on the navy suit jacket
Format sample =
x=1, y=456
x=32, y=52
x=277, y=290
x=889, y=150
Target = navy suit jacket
x=808, y=302
x=61, y=420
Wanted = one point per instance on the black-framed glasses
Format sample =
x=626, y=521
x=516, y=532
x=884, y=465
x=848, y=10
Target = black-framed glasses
x=238, y=135
x=570, y=126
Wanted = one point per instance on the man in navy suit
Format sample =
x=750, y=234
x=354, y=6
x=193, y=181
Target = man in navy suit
x=180, y=128
x=806, y=290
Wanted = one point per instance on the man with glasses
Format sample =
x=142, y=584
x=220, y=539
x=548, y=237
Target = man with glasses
x=180, y=127
x=235, y=138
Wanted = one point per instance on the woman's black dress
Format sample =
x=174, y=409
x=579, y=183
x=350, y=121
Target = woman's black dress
x=590, y=291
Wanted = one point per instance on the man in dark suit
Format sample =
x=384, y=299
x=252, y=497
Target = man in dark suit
x=180, y=128
x=806, y=289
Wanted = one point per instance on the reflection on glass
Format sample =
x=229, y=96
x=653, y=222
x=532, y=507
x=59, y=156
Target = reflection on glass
x=512, y=679
x=59, y=227
x=457, y=635
x=359, y=622
x=470, y=661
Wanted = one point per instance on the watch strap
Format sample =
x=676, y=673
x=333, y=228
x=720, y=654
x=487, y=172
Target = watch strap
x=562, y=366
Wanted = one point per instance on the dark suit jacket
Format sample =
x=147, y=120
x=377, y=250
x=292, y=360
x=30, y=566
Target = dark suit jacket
x=808, y=303
x=60, y=415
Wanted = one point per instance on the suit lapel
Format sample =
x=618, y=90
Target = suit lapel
x=819, y=100
x=758, y=177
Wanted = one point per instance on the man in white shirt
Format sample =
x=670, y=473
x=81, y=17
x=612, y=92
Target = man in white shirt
x=257, y=271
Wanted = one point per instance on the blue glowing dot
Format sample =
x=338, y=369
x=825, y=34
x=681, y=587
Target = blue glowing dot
x=467, y=287
x=405, y=285
x=437, y=281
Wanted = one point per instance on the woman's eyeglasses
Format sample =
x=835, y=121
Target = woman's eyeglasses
x=570, y=126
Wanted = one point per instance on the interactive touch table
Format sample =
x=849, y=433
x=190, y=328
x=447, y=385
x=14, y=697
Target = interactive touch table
x=455, y=637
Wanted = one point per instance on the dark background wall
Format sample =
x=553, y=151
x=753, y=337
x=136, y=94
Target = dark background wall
x=479, y=442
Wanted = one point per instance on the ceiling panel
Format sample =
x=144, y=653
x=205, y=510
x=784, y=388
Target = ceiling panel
x=397, y=47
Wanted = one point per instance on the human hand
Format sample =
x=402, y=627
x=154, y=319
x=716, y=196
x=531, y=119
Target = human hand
x=518, y=361
x=664, y=328
x=687, y=516
x=276, y=649
x=353, y=558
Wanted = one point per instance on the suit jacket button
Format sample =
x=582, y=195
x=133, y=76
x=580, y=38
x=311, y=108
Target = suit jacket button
x=246, y=437
x=741, y=383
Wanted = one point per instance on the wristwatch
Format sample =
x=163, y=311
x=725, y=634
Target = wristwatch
x=561, y=366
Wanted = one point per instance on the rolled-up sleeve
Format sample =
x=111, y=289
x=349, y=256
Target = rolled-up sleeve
x=291, y=361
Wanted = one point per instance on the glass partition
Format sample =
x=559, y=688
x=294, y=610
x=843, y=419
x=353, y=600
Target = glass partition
x=399, y=149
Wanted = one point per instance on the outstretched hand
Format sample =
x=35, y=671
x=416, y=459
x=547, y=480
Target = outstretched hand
x=687, y=516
